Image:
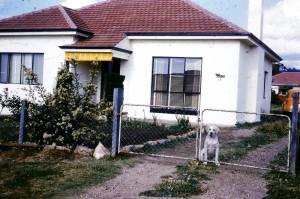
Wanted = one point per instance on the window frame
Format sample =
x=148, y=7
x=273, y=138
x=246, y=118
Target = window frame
x=171, y=109
x=21, y=74
x=265, y=83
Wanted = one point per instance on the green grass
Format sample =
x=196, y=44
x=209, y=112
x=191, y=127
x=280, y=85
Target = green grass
x=47, y=178
x=189, y=178
x=280, y=184
x=266, y=133
x=186, y=182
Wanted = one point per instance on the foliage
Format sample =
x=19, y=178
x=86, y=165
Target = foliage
x=188, y=181
x=43, y=175
x=183, y=124
x=278, y=128
x=275, y=99
x=266, y=133
x=8, y=129
x=69, y=116
x=280, y=184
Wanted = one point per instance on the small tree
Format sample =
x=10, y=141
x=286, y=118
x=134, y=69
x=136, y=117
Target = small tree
x=67, y=117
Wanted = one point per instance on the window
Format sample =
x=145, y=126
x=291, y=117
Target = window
x=176, y=82
x=265, y=83
x=11, y=70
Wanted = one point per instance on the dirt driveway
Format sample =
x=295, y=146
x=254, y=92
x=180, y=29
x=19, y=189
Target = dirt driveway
x=231, y=182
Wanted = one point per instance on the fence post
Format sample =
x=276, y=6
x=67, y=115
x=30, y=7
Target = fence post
x=22, y=127
x=117, y=103
x=294, y=141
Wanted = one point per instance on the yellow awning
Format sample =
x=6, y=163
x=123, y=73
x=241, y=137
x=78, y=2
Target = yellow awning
x=88, y=56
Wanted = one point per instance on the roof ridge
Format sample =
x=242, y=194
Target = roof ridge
x=223, y=20
x=28, y=13
x=67, y=17
x=94, y=4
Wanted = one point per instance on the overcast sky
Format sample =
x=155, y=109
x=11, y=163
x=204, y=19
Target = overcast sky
x=281, y=19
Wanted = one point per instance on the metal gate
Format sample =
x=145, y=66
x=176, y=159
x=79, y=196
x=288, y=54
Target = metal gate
x=254, y=140
x=159, y=131
x=246, y=139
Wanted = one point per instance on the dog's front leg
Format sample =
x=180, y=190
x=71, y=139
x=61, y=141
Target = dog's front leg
x=217, y=157
x=205, y=154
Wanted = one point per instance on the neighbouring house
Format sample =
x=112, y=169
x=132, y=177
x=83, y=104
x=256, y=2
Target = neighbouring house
x=172, y=53
x=285, y=81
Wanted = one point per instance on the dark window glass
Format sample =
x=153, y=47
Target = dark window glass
x=176, y=82
x=12, y=67
x=4, y=67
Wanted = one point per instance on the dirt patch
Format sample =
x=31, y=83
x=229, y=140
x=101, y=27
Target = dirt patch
x=131, y=183
x=244, y=183
x=231, y=182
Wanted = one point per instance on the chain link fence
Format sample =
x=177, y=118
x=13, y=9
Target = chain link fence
x=245, y=139
x=159, y=131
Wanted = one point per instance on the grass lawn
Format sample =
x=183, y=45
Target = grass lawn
x=282, y=185
x=31, y=173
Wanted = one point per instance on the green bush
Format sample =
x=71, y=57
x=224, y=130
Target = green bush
x=277, y=128
x=69, y=116
x=8, y=130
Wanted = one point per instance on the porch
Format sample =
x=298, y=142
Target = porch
x=108, y=76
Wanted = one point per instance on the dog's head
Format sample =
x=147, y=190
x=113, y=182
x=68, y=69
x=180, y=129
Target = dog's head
x=212, y=131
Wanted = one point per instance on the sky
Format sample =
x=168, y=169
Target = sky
x=281, y=19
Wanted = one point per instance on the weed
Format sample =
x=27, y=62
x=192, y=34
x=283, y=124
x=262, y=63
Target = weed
x=279, y=184
x=187, y=181
x=51, y=179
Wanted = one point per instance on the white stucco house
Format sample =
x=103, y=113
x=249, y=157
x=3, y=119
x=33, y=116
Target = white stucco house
x=172, y=53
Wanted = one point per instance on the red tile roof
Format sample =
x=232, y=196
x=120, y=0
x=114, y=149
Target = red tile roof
x=286, y=78
x=111, y=19
x=55, y=18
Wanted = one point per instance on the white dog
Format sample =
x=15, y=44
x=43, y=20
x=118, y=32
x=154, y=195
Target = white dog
x=211, y=144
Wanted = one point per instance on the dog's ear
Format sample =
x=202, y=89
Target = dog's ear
x=217, y=130
x=206, y=129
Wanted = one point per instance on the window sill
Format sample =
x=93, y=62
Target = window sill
x=173, y=110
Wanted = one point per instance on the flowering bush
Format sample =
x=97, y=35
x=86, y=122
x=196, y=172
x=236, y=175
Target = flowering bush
x=69, y=116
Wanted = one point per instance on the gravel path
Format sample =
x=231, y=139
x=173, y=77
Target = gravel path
x=233, y=183
x=240, y=182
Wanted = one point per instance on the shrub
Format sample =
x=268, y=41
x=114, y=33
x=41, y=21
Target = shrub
x=69, y=116
x=277, y=128
x=183, y=124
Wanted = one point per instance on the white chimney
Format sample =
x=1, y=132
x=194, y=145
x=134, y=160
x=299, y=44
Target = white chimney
x=255, y=17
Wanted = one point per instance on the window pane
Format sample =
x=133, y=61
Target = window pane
x=161, y=66
x=176, y=99
x=177, y=66
x=38, y=66
x=192, y=83
x=26, y=62
x=191, y=100
x=4, y=68
x=15, y=69
x=160, y=82
x=160, y=99
x=193, y=66
x=177, y=83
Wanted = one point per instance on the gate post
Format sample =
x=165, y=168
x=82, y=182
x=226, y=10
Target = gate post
x=117, y=103
x=22, y=121
x=294, y=139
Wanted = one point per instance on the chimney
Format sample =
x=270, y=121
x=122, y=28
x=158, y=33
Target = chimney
x=255, y=17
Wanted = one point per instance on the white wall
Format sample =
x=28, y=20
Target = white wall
x=53, y=56
x=266, y=102
x=220, y=56
x=83, y=71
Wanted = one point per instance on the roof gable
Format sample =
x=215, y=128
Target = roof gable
x=55, y=18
